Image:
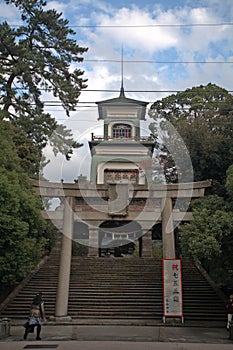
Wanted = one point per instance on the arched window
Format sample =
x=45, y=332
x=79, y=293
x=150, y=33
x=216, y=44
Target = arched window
x=121, y=131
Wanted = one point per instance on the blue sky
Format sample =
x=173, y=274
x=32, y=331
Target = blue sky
x=159, y=43
x=168, y=32
x=163, y=42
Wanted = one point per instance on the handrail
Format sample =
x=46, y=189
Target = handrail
x=122, y=138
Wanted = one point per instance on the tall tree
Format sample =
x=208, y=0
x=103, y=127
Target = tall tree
x=208, y=238
x=34, y=57
x=202, y=116
x=229, y=182
x=22, y=228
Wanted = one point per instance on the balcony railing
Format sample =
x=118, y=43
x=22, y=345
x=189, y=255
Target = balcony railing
x=122, y=138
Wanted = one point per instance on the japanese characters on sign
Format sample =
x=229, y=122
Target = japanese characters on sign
x=172, y=288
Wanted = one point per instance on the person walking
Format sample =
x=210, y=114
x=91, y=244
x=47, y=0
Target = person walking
x=36, y=317
x=229, y=309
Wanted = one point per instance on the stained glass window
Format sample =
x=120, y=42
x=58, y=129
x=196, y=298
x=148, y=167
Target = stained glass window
x=121, y=131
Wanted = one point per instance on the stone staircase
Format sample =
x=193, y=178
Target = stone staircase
x=44, y=279
x=127, y=289
x=116, y=288
x=200, y=300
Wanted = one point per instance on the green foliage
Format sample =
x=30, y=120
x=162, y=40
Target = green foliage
x=38, y=55
x=208, y=238
x=202, y=117
x=204, y=236
x=212, y=203
x=157, y=252
x=20, y=153
x=79, y=249
x=22, y=228
x=34, y=57
x=136, y=250
x=229, y=182
x=204, y=102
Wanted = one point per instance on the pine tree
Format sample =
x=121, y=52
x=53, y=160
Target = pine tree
x=37, y=57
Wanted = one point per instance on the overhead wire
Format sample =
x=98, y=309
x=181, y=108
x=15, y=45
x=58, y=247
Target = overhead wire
x=159, y=25
x=52, y=103
x=153, y=25
x=117, y=91
x=155, y=61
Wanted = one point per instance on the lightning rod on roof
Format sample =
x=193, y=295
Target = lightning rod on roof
x=122, y=92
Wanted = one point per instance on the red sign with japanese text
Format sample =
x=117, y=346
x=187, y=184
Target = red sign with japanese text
x=172, y=288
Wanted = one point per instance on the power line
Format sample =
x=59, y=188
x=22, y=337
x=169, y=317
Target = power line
x=144, y=91
x=58, y=104
x=114, y=90
x=158, y=62
x=155, y=25
x=159, y=25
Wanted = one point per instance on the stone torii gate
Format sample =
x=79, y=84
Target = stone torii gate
x=114, y=201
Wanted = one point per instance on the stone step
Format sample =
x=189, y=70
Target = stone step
x=118, y=288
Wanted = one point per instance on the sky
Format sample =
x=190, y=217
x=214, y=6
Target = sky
x=167, y=46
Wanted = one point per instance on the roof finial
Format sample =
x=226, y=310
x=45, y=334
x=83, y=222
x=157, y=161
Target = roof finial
x=122, y=92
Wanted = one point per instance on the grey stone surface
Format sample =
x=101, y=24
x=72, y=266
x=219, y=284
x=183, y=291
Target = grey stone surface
x=161, y=334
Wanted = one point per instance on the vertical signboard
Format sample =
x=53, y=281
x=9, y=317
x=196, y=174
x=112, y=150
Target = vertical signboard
x=172, y=288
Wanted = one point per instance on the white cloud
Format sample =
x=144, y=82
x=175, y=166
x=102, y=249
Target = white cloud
x=170, y=43
x=138, y=38
x=143, y=44
x=164, y=43
x=9, y=13
x=58, y=6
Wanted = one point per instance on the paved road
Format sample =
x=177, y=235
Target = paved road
x=110, y=345
x=70, y=337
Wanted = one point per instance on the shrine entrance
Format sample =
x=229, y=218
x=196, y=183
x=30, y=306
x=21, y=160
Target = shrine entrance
x=123, y=249
x=119, y=239
x=105, y=223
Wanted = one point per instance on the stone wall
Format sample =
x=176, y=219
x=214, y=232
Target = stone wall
x=4, y=328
